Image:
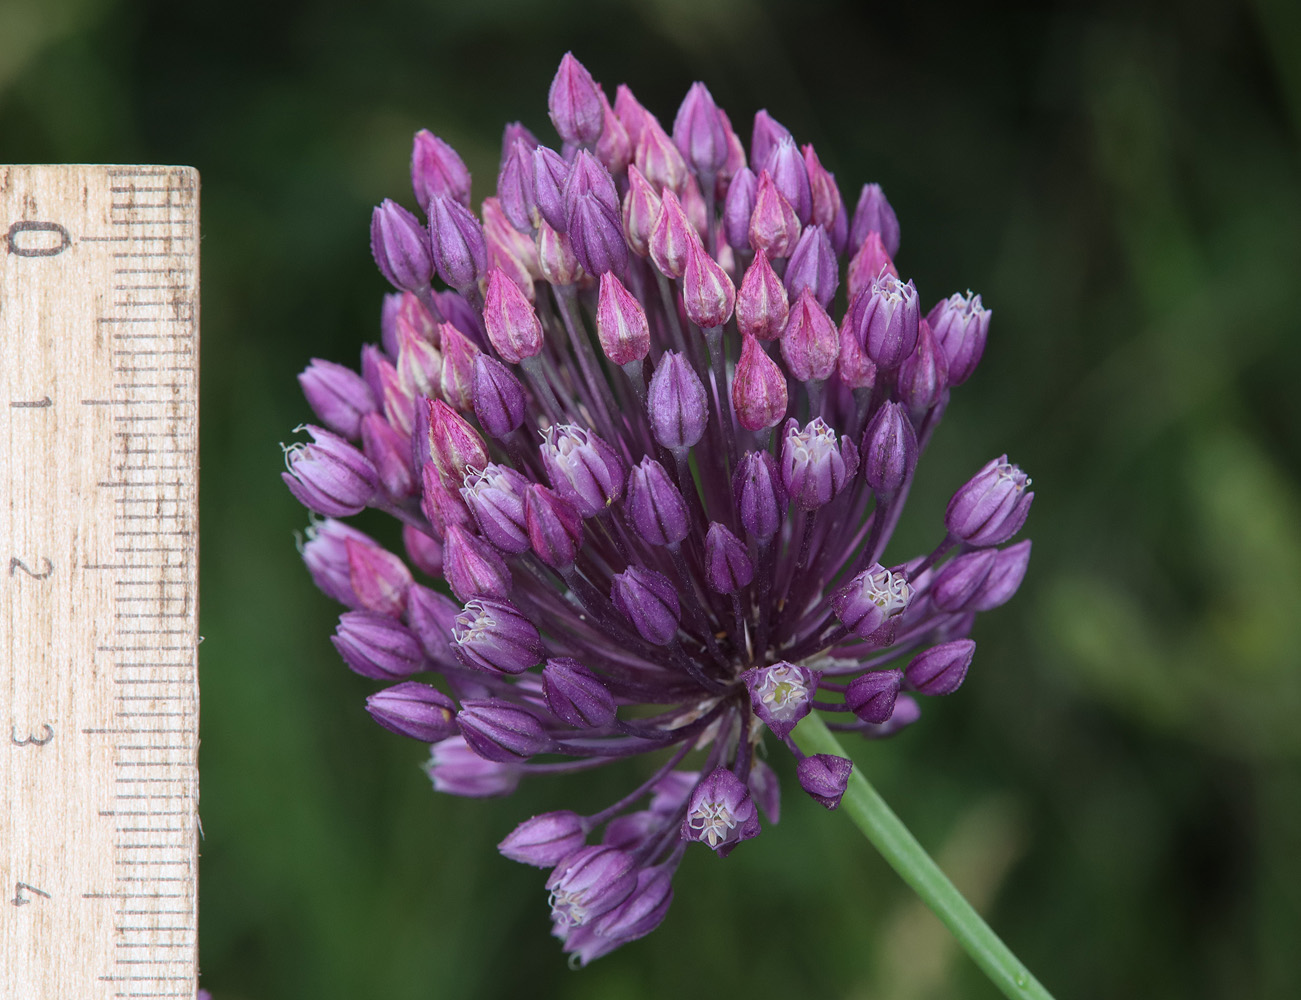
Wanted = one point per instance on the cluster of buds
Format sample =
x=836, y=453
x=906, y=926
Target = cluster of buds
x=653, y=425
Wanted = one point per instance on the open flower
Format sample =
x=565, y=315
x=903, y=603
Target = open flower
x=577, y=433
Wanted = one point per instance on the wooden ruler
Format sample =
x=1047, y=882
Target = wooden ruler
x=99, y=696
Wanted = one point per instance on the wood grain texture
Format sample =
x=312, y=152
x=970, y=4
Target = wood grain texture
x=99, y=296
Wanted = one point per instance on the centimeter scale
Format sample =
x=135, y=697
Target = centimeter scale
x=99, y=697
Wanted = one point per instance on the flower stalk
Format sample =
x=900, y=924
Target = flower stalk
x=887, y=833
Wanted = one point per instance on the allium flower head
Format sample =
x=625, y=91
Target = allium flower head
x=675, y=550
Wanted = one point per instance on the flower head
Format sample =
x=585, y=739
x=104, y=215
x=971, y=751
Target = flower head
x=680, y=550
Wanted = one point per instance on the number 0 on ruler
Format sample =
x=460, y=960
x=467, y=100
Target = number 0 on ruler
x=99, y=369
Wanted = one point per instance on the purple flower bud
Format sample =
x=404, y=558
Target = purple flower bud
x=758, y=388
x=390, y=453
x=457, y=770
x=760, y=496
x=329, y=475
x=698, y=131
x=377, y=646
x=649, y=601
x=550, y=176
x=325, y=554
x=437, y=171
x=337, y=395
x=655, y=506
x=738, y=207
x=454, y=445
x=545, y=840
x=941, y=669
x=493, y=635
x=515, y=186
x=872, y=696
x=574, y=103
x=641, y=209
x=378, y=578
x=587, y=177
x=596, y=234
x=498, y=397
x=822, y=187
x=889, y=450
x=643, y=911
x=431, y=616
x=576, y=696
x=991, y=507
x=961, y=579
x=1004, y=578
x=961, y=326
x=582, y=468
x=906, y=712
x=413, y=709
x=923, y=376
x=516, y=131
x=867, y=265
x=774, y=226
x=513, y=327
x=791, y=177
x=590, y=882
x=400, y=247
x=621, y=322
x=424, y=550
x=781, y=695
x=886, y=318
x=555, y=528
x=708, y=294
x=500, y=731
x=810, y=343
x=762, y=307
x=813, y=265
x=472, y=567
x=871, y=602
x=874, y=215
x=825, y=777
x=495, y=496
x=721, y=813
x=672, y=237
x=768, y=132
x=459, y=251
x=727, y=564
x=676, y=401
x=815, y=466
x=659, y=159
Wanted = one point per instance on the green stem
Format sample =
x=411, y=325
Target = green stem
x=907, y=857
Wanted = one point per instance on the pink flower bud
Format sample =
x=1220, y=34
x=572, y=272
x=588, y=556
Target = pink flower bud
x=774, y=226
x=810, y=343
x=641, y=210
x=758, y=388
x=513, y=327
x=762, y=307
x=671, y=237
x=707, y=292
x=621, y=322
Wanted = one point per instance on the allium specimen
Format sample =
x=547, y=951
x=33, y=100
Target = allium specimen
x=653, y=429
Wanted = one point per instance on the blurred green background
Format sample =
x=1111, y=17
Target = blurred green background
x=1117, y=785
